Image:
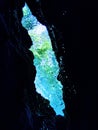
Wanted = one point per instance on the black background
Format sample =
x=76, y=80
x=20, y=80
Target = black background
x=81, y=43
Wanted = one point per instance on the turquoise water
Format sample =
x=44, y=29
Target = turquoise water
x=47, y=67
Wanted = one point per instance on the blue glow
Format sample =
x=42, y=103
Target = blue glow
x=47, y=68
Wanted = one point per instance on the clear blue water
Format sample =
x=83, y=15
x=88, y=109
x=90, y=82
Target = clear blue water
x=47, y=68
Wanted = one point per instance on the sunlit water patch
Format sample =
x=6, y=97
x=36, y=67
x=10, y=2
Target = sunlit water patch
x=47, y=68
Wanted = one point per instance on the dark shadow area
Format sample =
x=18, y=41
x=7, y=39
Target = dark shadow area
x=77, y=20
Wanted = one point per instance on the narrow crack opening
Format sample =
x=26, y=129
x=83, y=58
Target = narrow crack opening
x=47, y=67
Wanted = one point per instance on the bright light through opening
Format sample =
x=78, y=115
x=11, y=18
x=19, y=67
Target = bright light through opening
x=47, y=68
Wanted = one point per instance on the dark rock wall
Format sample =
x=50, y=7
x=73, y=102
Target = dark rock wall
x=76, y=21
